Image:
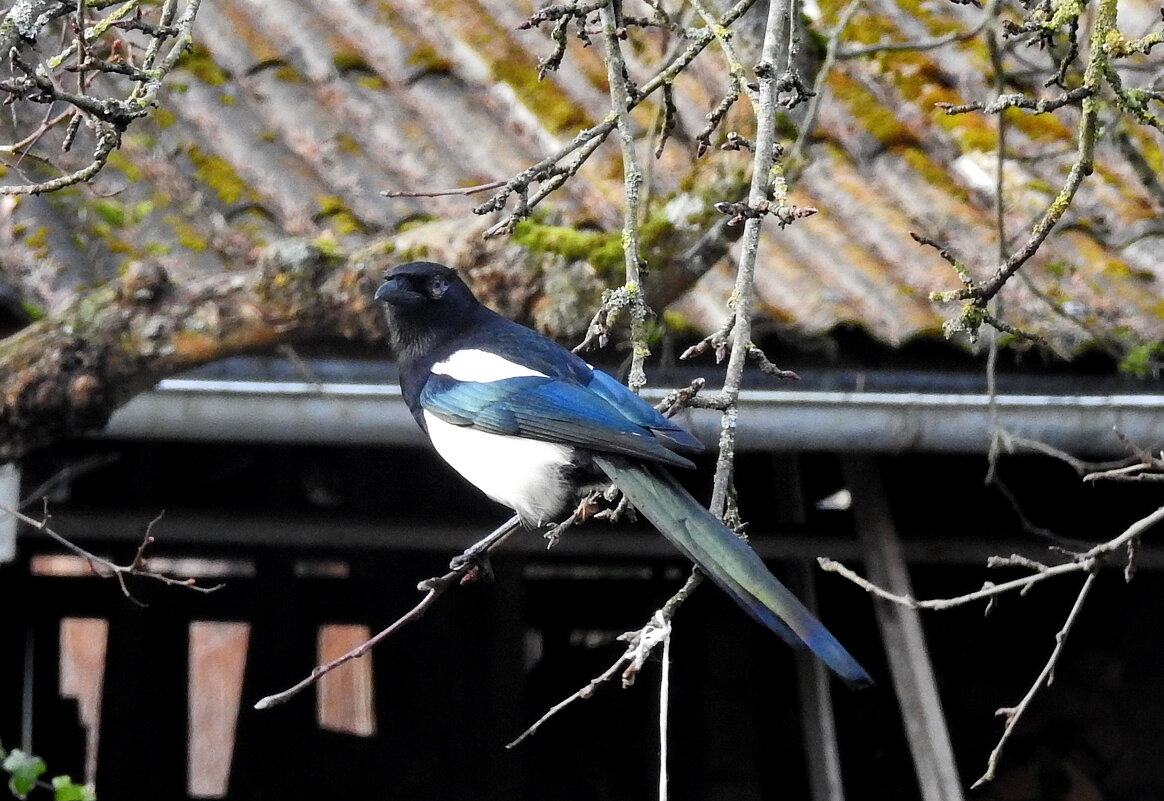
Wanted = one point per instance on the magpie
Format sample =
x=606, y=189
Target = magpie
x=536, y=428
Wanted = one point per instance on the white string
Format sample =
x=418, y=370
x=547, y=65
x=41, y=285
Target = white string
x=664, y=696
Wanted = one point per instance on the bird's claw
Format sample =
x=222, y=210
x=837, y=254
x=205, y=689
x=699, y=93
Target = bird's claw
x=476, y=564
x=587, y=507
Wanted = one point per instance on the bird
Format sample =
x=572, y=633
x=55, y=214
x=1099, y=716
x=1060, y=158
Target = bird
x=536, y=428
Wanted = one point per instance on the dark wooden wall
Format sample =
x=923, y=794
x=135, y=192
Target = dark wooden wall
x=453, y=689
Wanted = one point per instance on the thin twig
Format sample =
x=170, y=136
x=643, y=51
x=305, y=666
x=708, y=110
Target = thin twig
x=463, y=190
x=581, y=694
x=1080, y=563
x=1045, y=678
x=796, y=154
x=640, y=645
x=433, y=588
x=550, y=174
x=66, y=475
x=105, y=567
x=918, y=45
x=1012, y=442
x=1088, y=562
x=764, y=171
x=621, y=93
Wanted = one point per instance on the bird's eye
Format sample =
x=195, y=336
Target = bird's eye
x=437, y=287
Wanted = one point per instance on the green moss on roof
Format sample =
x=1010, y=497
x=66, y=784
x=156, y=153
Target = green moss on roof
x=338, y=215
x=287, y=73
x=219, y=174
x=600, y=248
x=373, y=82
x=188, y=236
x=1152, y=152
x=37, y=241
x=118, y=160
x=1142, y=359
x=350, y=60
x=512, y=63
x=603, y=250
x=413, y=221
x=421, y=52
x=346, y=143
x=110, y=210
x=262, y=48
x=870, y=25
x=935, y=16
x=874, y=117
x=920, y=81
x=199, y=63
x=1045, y=127
x=428, y=59
x=934, y=173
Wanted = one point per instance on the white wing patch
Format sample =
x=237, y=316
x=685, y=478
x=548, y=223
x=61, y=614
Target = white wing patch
x=481, y=366
x=524, y=474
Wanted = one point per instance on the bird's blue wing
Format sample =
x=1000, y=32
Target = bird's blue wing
x=638, y=410
x=544, y=408
x=527, y=349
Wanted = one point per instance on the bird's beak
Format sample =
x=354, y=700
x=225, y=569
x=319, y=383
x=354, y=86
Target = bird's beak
x=396, y=292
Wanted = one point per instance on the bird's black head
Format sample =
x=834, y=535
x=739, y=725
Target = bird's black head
x=426, y=303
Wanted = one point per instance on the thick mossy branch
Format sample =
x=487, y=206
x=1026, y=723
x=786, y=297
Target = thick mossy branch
x=68, y=372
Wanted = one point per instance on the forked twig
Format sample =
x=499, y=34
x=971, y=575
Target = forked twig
x=1088, y=562
x=466, y=564
x=105, y=567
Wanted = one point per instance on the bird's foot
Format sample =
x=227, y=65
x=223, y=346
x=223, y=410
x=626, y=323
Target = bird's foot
x=553, y=534
x=475, y=559
x=615, y=514
x=475, y=563
x=587, y=507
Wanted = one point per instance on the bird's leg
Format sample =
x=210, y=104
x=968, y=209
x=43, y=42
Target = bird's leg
x=477, y=554
x=587, y=507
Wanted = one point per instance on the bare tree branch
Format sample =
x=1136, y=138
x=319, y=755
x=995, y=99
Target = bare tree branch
x=64, y=375
x=101, y=566
x=433, y=588
x=1088, y=562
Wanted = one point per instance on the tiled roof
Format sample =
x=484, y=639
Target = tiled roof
x=292, y=116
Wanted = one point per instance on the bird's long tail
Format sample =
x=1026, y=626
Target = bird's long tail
x=727, y=560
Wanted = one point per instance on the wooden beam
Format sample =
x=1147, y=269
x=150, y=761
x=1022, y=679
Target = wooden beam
x=902, y=635
x=816, y=704
x=208, y=531
x=9, y=499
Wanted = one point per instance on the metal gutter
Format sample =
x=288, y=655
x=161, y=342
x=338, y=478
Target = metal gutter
x=342, y=412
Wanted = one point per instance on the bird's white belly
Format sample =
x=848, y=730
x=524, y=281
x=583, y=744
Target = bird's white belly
x=524, y=474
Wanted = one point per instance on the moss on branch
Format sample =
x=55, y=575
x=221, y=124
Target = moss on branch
x=68, y=372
